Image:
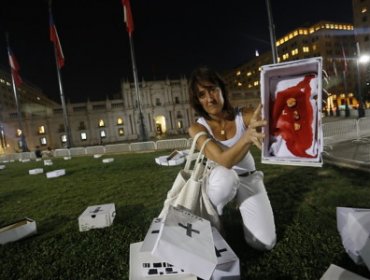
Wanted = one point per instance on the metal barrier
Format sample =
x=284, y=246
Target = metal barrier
x=143, y=146
x=93, y=150
x=335, y=132
x=172, y=144
x=117, y=148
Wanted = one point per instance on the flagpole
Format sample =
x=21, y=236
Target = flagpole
x=130, y=28
x=272, y=33
x=19, y=113
x=137, y=93
x=61, y=92
x=65, y=116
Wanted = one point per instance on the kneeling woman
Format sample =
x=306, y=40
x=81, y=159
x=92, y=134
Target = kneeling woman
x=233, y=132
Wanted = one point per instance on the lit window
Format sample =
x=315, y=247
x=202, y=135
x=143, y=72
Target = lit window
x=41, y=129
x=238, y=73
x=121, y=132
x=294, y=52
x=239, y=84
x=63, y=138
x=101, y=123
x=83, y=136
x=306, y=49
x=249, y=73
x=103, y=134
x=179, y=124
x=43, y=141
x=255, y=83
x=19, y=132
x=119, y=121
x=364, y=10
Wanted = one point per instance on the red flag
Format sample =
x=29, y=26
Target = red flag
x=55, y=39
x=128, y=16
x=14, y=68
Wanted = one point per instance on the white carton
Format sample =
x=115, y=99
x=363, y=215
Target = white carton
x=291, y=95
x=56, y=173
x=335, y=272
x=36, y=171
x=143, y=266
x=228, y=264
x=17, y=230
x=354, y=228
x=48, y=162
x=67, y=158
x=108, y=160
x=186, y=241
x=97, y=155
x=2, y=167
x=97, y=216
x=175, y=158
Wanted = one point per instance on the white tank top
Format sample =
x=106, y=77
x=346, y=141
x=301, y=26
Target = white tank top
x=247, y=163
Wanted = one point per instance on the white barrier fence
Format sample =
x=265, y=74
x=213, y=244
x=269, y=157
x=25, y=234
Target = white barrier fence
x=344, y=130
x=167, y=144
x=334, y=132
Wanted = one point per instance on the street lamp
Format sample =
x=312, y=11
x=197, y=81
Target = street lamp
x=360, y=59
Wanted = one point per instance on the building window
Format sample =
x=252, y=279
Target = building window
x=61, y=128
x=18, y=132
x=121, y=132
x=83, y=136
x=101, y=123
x=41, y=129
x=119, y=121
x=82, y=126
x=103, y=134
x=43, y=141
x=179, y=124
x=158, y=102
x=177, y=100
x=63, y=138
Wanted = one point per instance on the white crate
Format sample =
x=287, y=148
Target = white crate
x=228, y=264
x=291, y=95
x=17, y=230
x=97, y=216
x=36, y=171
x=185, y=240
x=143, y=266
x=335, y=272
x=56, y=173
x=2, y=167
x=108, y=160
x=48, y=162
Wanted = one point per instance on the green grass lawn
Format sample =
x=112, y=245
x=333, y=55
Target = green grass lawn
x=304, y=201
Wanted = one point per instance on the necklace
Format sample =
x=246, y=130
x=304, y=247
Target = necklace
x=222, y=127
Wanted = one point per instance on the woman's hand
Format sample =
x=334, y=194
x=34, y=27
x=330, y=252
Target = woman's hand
x=253, y=134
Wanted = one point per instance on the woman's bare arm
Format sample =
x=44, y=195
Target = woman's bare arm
x=228, y=157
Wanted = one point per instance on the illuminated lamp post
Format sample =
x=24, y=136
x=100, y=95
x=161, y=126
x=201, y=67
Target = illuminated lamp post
x=361, y=59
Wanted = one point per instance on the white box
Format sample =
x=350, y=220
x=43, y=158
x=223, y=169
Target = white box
x=36, y=171
x=291, y=95
x=97, y=216
x=354, y=228
x=56, y=173
x=152, y=235
x=228, y=264
x=48, y=162
x=143, y=266
x=97, y=156
x=17, y=230
x=25, y=160
x=175, y=158
x=108, y=160
x=335, y=272
x=2, y=167
x=186, y=241
x=67, y=158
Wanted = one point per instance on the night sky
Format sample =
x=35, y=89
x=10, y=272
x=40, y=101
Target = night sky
x=171, y=38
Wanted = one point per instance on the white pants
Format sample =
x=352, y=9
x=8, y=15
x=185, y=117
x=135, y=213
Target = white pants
x=254, y=205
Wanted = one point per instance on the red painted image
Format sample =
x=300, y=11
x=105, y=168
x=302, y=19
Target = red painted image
x=292, y=116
